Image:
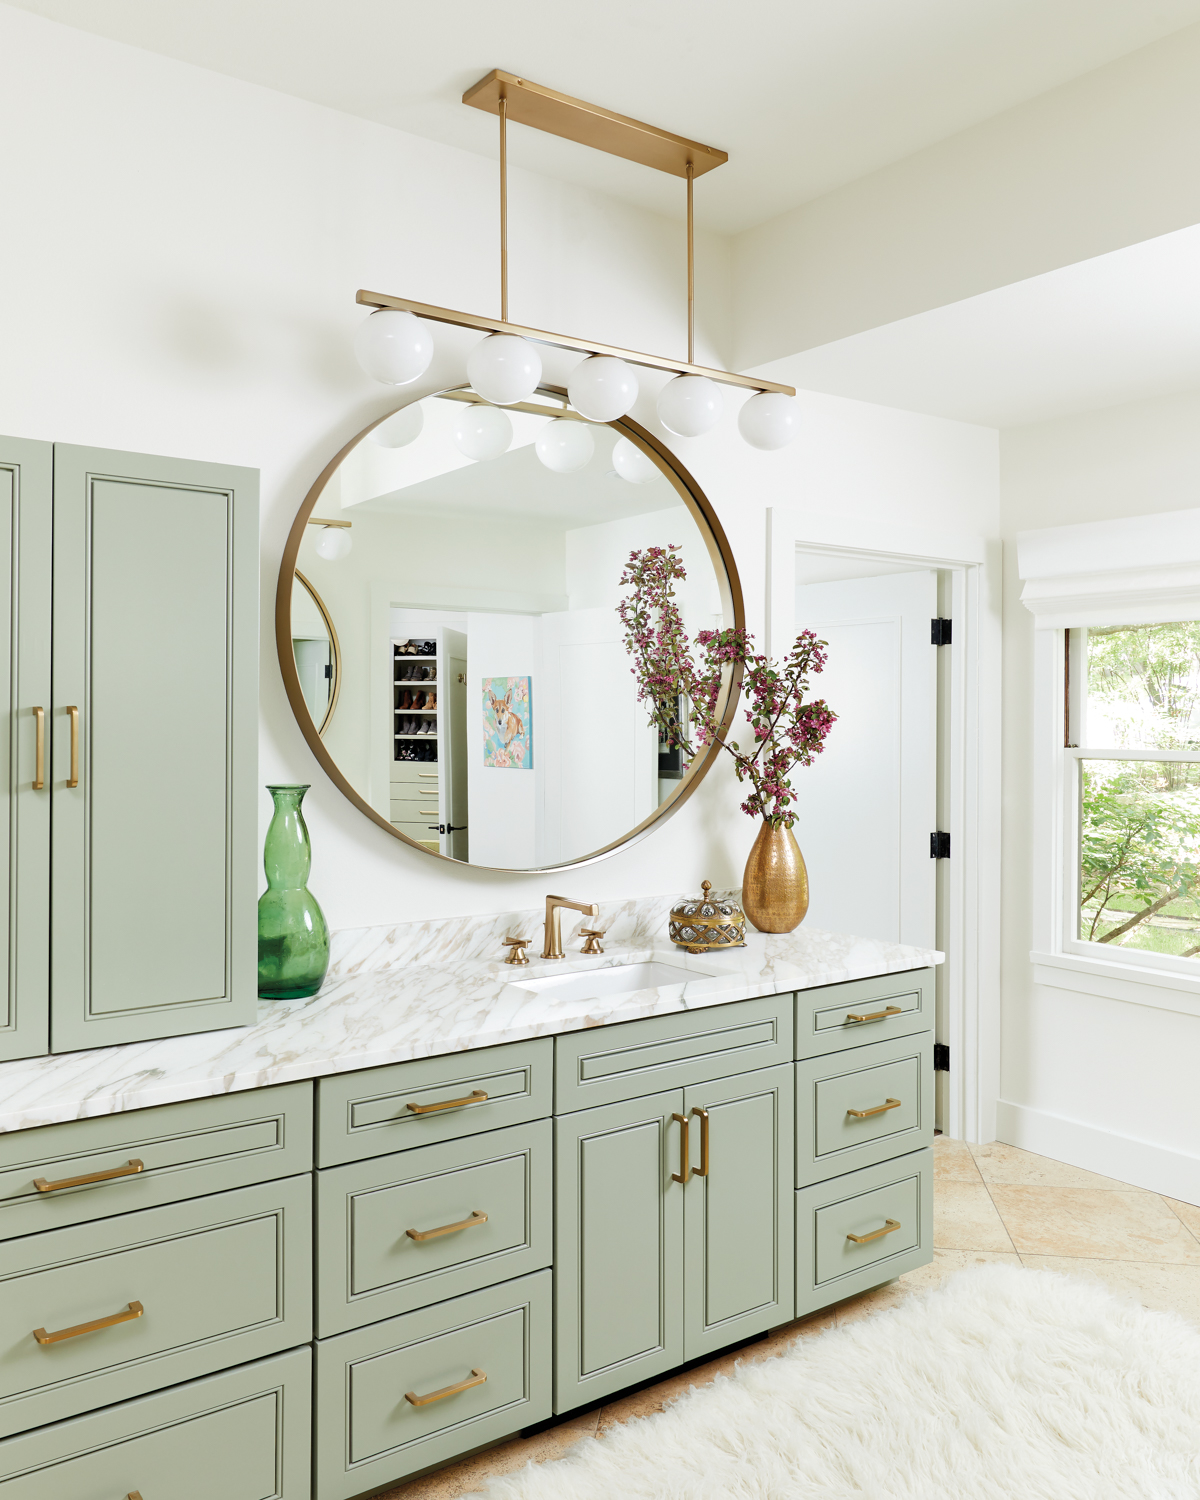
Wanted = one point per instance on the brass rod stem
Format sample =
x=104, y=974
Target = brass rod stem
x=503, y=209
x=691, y=359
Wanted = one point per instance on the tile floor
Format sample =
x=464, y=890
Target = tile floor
x=991, y=1203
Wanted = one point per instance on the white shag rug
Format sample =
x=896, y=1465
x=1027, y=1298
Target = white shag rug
x=1002, y=1384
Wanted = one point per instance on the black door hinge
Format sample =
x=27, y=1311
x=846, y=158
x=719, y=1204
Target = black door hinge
x=941, y=1057
x=939, y=846
x=939, y=632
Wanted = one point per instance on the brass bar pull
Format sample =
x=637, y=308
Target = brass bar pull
x=685, y=1166
x=476, y=1096
x=135, y=1310
x=427, y=812
x=878, y=1015
x=39, y=776
x=889, y=1227
x=702, y=1169
x=477, y=1378
x=73, y=711
x=130, y=1169
x=134, y=1495
x=865, y=1114
x=477, y=1217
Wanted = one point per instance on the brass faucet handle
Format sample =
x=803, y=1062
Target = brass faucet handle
x=591, y=939
x=518, y=947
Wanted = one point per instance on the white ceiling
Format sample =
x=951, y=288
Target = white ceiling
x=1122, y=327
x=803, y=94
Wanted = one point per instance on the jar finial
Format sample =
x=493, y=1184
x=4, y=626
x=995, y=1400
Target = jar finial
x=706, y=886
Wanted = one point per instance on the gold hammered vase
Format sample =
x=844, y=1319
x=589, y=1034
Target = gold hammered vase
x=775, y=885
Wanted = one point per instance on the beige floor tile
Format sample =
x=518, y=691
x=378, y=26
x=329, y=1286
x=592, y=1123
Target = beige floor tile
x=470, y=1475
x=1014, y=1167
x=953, y=1162
x=1164, y=1288
x=1189, y=1213
x=965, y=1218
x=1094, y=1224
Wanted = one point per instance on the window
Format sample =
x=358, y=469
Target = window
x=1132, y=748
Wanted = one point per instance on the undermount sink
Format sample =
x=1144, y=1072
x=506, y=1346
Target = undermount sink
x=621, y=979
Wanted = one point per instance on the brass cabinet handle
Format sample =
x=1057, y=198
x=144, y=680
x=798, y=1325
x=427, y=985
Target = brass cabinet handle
x=134, y=1495
x=477, y=1378
x=878, y=1015
x=428, y=775
x=427, y=812
x=702, y=1169
x=477, y=1217
x=135, y=1310
x=73, y=712
x=865, y=1114
x=39, y=776
x=476, y=1096
x=131, y=1167
x=889, y=1226
x=685, y=1167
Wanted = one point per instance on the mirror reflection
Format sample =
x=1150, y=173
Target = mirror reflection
x=315, y=649
x=487, y=710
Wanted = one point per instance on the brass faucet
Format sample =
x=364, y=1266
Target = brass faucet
x=554, y=904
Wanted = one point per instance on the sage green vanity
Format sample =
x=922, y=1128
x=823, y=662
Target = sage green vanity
x=340, y=1283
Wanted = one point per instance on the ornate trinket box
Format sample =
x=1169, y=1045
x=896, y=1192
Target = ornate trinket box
x=702, y=923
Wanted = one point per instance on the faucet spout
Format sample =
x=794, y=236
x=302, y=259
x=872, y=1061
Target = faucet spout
x=553, y=947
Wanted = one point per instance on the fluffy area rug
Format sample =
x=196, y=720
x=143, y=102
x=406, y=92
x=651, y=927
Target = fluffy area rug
x=1002, y=1384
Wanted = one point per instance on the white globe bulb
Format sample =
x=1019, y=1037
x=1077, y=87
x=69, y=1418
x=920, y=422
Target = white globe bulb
x=689, y=405
x=503, y=368
x=334, y=543
x=602, y=388
x=565, y=445
x=481, y=432
x=401, y=428
x=632, y=464
x=393, y=346
x=769, y=420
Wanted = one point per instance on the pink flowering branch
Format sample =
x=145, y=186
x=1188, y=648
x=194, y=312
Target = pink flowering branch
x=788, y=730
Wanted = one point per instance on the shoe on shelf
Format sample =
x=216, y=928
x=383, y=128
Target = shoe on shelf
x=405, y=699
x=430, y=700
x=418, y=699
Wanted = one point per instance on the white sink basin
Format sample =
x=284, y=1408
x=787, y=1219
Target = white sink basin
x=599, y=984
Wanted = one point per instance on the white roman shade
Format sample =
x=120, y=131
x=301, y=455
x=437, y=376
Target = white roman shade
x=1141, y=570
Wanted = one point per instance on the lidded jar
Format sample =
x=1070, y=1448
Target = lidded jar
x=706, y=922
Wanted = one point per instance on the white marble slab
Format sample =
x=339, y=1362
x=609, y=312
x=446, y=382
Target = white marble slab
x=427, y=988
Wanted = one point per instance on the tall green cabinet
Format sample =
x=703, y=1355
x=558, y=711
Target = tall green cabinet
x=132, y=593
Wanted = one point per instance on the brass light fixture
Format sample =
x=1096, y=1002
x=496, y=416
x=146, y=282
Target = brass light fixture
x=396, y=346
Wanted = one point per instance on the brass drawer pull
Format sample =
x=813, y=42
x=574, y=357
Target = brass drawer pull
x=702, y=1169
x=428, y=812
x=476, y=1096
x=477, y=1378
x=134, y=1495
x=135, y=1311
x=39, y=777
x=878, y=1015
x=130, y=1169
x=477, y=1217
x=889, y=1225
x=865, y=1114
x=73, y=779
x=684, y=1174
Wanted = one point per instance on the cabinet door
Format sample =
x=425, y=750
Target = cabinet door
x=154, y=747
x=739, y=1219
x=618, y=1282
x=26, y=516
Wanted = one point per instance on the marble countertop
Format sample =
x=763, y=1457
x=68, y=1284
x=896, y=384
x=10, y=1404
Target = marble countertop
x=426, y=989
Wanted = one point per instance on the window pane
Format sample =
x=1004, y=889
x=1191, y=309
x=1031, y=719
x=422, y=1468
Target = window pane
x=1139, y=865
x=1143, y=686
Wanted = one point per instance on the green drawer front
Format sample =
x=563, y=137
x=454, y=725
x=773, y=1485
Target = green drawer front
x=367, y=1114
x=370, y=1435
x=371, y=1268
x=830, y=1139
x=422, y=773
x=221, y=1280
x=186, y=1150
x=416, y=793
x=604, y=1065
x=243, y=1435
x=830, y=1265
x=824, y=1017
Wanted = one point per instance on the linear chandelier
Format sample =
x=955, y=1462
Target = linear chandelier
x=395, y=344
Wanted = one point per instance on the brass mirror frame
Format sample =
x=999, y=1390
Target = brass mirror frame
x=723, y=565
x=335, y=649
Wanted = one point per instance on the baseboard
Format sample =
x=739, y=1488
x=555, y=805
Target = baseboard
x=1145, y=1165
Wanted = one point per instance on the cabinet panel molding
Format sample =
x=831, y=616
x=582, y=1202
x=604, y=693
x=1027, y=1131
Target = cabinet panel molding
x=861, y=1011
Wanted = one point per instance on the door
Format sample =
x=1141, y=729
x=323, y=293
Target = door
x=154, y=734
x=867, y=804
x=452, y=721
x=26, y=515
x=618, y=1247
x=739, y=1219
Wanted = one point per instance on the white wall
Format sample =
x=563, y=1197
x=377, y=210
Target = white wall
x=1085, y=1076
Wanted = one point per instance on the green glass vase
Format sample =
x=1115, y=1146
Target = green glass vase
x=293, y=938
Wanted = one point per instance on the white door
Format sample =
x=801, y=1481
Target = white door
x=867, y=804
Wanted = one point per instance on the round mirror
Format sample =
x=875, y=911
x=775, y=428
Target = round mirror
x=472, y=557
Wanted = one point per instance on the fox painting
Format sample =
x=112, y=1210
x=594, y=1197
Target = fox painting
x=507, y=723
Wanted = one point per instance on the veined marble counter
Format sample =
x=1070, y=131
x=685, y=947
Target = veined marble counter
x=427, y=988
